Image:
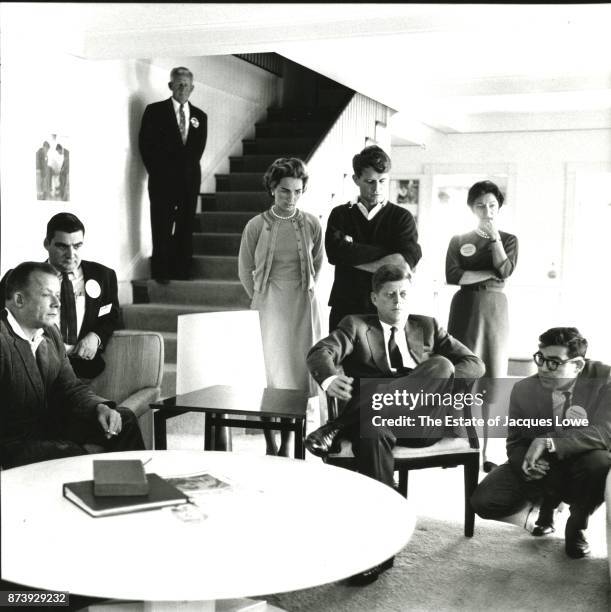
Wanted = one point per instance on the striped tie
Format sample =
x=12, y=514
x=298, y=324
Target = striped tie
x=183, y=124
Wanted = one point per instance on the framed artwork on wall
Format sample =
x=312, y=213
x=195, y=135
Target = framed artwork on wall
x=53, y=168
x=406, y=192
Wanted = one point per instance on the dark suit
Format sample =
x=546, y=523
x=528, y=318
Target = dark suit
x=357, y=344
x=174, y=184
x=102, y=324
x=46, y=411
x=582, y=458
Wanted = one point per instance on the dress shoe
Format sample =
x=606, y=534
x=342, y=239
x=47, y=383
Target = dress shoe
x=575, y=542
x=542, y=530
x=545, y=523
x=324, y=440
x=488, y=466
x=370, y=575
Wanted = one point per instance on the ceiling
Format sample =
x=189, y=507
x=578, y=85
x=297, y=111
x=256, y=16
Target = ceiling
x=444, y=68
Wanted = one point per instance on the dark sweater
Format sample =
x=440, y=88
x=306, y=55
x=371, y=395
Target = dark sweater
x=392, y=230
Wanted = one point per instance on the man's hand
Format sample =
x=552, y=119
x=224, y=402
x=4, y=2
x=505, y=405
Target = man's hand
x=533, y=466
x=341, y=387
x=87, y=347
x=110, y=420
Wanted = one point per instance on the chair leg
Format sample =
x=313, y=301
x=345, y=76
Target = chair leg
x=403, y=474
x=471, y=476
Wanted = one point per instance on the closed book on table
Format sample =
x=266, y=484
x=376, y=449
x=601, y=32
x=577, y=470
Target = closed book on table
x=119, y=477
x=161, y=493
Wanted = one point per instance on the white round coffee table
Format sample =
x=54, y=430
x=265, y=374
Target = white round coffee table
x=286, y=524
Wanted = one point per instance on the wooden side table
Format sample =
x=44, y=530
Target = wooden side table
x=221, y=403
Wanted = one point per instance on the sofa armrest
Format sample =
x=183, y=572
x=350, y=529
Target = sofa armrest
x=139, y=402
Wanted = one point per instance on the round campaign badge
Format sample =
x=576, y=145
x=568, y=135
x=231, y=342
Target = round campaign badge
x=194, y=122
x=467, y=249
x=92, y=288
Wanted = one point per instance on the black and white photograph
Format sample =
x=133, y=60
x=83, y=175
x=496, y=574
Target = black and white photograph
x=53, y=169
x=340, y=340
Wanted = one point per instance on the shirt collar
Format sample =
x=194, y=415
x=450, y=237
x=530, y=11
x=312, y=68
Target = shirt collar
x=368, y=214
x=12, y=321
x=76, y=275
x=570, y=389
x=176, y=104
x=386, y=326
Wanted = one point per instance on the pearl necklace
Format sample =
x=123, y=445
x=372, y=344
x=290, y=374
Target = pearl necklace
x=280, y=216
x=482, y=233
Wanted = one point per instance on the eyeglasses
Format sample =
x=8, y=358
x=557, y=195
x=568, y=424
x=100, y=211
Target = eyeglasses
x=552, y=364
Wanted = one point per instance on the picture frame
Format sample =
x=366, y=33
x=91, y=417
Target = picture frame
x=407, y=193
x=52, y=153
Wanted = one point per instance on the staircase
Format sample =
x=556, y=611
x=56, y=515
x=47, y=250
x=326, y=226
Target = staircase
x=239, y=196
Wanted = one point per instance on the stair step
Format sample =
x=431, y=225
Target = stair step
x=258, y=163
x=235, y=201
x=278, y=145
x=164, y=317
x=219, y=293
x=215, y=267
x=290, y=128
x=302, y=114
x=169, y=346
x=216, y=243
x=239, y=181
x=168, y=384
x=222, y=221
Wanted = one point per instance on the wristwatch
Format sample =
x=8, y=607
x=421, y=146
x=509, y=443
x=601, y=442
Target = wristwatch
x=549, y=445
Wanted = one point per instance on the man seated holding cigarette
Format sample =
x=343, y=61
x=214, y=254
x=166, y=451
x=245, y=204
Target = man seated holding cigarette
x=46, y=412
x=559, y=441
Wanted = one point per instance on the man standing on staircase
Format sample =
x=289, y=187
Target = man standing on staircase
x=172, y=141
x=365, y=234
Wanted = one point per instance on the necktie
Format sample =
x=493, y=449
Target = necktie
x=183, y=123
x=396, y=361
x=67, y=319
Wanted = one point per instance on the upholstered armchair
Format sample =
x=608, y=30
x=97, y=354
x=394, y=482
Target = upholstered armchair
x=133, y=374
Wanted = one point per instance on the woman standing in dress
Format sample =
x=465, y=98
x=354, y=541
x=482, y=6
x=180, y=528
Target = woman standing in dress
x=279, y=262
x=479, y=262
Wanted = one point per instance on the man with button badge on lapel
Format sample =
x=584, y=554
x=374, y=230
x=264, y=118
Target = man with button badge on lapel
x=558, y=444
x=89, y=311
x=172, y=140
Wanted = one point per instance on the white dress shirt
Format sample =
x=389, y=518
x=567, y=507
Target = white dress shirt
x=34, y=341
x=401, y=340
x=77, y=279
x=368, y=214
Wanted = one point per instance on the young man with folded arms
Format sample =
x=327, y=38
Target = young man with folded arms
x=365, y=234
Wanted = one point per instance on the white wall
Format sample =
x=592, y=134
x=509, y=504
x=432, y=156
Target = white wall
x=98, y=105
x=538, y=211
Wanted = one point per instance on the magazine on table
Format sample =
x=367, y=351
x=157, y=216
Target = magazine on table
x=201, y=483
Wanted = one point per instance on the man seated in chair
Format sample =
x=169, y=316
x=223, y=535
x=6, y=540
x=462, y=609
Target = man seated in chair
x=47, y=412
x=392, y=345
x=408, y=351
x=559, y=449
